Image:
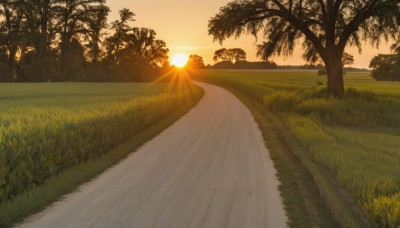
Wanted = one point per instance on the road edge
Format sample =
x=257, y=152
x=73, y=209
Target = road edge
x=21, y=207
x=324, y=202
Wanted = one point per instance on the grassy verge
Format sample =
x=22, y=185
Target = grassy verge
x=312, y=198
x=37, y=198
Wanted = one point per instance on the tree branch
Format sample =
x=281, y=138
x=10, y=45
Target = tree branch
x=354, y=24
x=285, y=14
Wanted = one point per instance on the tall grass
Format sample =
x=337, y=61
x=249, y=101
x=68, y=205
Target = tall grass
x=357, y=138
x=47, y=128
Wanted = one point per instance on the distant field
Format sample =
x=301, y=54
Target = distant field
x=357, y=138
x=47, y=128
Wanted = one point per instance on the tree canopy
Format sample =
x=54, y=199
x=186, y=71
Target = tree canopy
x=325, y=27
x=386, y=67
x=196, y=62
x=230, y=55
x=70, y=40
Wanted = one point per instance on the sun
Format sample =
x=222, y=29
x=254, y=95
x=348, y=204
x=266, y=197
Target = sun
x=179, y=60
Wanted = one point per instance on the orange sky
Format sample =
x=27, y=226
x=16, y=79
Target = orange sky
x=183, y=25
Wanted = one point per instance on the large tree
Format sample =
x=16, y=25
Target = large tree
x=73, y=19
x=121, y=28
x=326, y=27
x=387, y=67
x=97, y=26
x=38, y=62
x=196, y=62
x=146, y=48
x=142, y=54
x=10, y=34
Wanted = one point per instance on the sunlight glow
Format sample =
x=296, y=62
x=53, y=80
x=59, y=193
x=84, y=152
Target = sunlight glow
x=179, y=60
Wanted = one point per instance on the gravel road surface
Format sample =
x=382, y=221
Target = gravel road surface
x=209, y=169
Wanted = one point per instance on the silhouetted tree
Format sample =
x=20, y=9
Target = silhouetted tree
x=327, y=27
x=121, y=28
x=147, y=48
x=230, y=55
x=39, y=36
x=64, y=40
x=10, y=35
x=239, y=55
x=196, y=62
x=73, y=18
x=143, y=53
x=347, y=59
x=387, y=67
x=97, y=25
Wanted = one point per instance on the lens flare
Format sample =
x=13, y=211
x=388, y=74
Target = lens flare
x=179, y=60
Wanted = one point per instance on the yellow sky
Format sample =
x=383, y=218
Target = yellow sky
x=183, y=25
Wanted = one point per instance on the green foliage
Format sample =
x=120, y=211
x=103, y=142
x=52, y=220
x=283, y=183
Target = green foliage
x=71, y=124
x=386, y=67
x=325, y=28
x=356, y=137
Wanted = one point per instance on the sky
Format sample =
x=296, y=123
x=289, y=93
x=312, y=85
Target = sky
x=183, y=25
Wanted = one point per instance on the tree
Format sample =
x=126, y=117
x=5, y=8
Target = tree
x=196, y=62
x=386, y=67
x=97, y=23
x=347, y=59
x=10, y=34
x=121, y=28
x=326, y=27
x=39, y=35
x=228, y=55
x=143, y=53
x=222, y=54
x=239, y=55
x=73, y=17
x=147, y=49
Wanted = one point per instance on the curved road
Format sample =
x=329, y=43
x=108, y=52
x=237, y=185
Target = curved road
x=209, y=169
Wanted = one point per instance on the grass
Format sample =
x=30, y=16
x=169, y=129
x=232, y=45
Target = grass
x=355, y=139
x=133, y=112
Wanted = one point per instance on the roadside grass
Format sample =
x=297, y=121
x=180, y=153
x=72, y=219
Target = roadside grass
x=38, y=195
x=300, y=194
x=357, y=138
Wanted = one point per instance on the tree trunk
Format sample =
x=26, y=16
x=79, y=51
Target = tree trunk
x=334, y=70
x=43, y=48
x=11, y=62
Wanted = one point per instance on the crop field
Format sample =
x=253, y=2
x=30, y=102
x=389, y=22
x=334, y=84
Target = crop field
x=47, y=128
x=357, y=138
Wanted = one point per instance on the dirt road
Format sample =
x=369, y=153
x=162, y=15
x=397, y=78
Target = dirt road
x=210, y=169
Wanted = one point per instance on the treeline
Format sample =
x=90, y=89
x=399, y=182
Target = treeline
x=245, y=65
x=71, y=40
x=236, y=58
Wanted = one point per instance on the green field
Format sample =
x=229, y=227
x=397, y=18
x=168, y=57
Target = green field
x=356, y=138
x=47, y=128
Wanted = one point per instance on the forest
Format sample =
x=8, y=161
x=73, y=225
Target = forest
x=71, y=41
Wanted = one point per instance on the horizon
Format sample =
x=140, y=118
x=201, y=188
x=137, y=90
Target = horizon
x=186, y=33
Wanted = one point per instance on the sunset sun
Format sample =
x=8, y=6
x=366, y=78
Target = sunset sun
x=179, y=60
